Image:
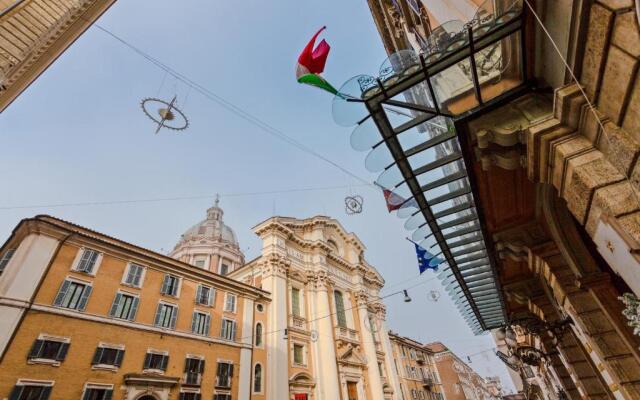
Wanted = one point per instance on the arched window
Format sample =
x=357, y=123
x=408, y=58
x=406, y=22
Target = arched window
x=258, y=334
x=340, y=314
x=257, y=378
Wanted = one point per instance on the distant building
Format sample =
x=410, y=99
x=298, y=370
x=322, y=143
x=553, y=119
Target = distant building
x=416, y=369
x=88, y=316
x=330, y=340
x=459, y=380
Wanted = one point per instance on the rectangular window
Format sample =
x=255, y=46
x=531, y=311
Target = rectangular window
x=166, y=315
x=224, y=374
x=295, y=302
x=298, y=354
x=228, y=331
x=134, y=275
x=204, y=295
x=230, y=303
x=224, y=269
x=124, y=306
x=193, y=370
x=200, y=323
x=30, y=391
x=88, y=261
x=108, y=356
x=157, y=361
x=73, y=294
x=222, y=396
x=6, y=257
x=170, y=285
x=49, y=349
x=97, y=393
x=200, y=262
x=190, y=396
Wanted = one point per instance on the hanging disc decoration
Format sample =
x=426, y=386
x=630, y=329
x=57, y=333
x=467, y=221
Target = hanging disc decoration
x=434, y=295
x=165, y=114
x=353, y=204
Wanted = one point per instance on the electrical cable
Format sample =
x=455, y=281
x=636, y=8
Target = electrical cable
x=247, y=116
x=159, y=199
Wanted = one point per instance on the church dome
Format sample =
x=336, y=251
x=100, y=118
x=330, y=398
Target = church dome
x=211, y=228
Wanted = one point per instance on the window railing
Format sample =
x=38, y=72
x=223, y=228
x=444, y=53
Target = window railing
x=346, y=334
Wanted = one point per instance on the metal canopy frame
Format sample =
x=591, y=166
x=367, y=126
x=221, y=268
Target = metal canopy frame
x=471, y=261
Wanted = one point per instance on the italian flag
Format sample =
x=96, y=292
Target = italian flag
x=311, y=64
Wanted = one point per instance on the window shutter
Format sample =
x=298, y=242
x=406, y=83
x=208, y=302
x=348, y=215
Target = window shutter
x=87, y=394
x=233, y=330
x=86, y=292
x=194, y=322
x=134, y=308
x=62, y=352
x=165, y=361
x=84, y=260
x=230, y=370
x=16, y=393
x=198, y=294
x=114, y=306
x=119, y=357
x=147, y=361
x=197, y=396
x=174, y=317
x=201, y=367
x=36, y=348
x=61, y=293
x=108, y=394
x=182, y=396
x=187, y=365
x=218, y=373
x=46, y=392
x=158, y=312
x=207, y=324
x=138, y=275
x=97, y=356
x=165, y=285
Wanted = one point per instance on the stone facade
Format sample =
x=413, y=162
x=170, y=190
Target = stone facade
x=132, y=320
x=416, y=369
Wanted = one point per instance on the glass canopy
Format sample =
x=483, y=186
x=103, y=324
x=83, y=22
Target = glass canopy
x=405, y=118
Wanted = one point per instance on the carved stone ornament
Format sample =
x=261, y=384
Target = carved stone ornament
x=320, y=280
x=632, y=311
x=362, y=299
x=276, y=264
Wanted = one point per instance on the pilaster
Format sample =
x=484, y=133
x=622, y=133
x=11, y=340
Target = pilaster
x=368, y=341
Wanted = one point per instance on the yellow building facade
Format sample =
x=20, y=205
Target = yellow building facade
x=416, y=369
x=87, y=316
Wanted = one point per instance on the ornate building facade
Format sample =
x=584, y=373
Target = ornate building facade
x=33, y=33
x=88, y=316
x=415, y=366
x=328, y=336
x=548, y=138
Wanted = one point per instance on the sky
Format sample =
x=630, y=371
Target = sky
x=78, y=135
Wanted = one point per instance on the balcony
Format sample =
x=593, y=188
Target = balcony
x=347, y=335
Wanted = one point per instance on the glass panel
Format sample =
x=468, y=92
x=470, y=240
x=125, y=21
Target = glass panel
x=421, y=233
x=434, y=153
x=378, y=159
x=347, y=113
x=448, y=204
x=454, y=88
x=390, y=177
x=394, y=67
x=407, y=209
x=414, y=221
x=499, y=66
x=365, y=135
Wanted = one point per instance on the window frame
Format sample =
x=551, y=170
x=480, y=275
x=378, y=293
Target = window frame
x=234, y=328
x=75, y=267
x=173, y=320
x=212, y=295
x=61, y=354
x=81, y=304
x=164, y=361
x=133, y=309
x=33, y=383
x=98, y=386
x=207, y=323
x=201, y=367
x=259, y=335
x=341, y=314
x=296, y=305
x=120, y=349
x=227, y=296
x=303, y=354
x=230, y=369
x=127, y=271
x=6, y=257
x=254, y=381
x=178, y=285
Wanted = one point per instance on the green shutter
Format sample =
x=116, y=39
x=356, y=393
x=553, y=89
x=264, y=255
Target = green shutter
x=158, y=313
x=62, y=293
x=36, y=348
x=97, y=356
x=114, y=306
x=119, y=357
x=134, y=309
x=62, y=352
x=174, y=317
x=86, y=292
x=16, y=392
x=207, y=324
x=163, y=364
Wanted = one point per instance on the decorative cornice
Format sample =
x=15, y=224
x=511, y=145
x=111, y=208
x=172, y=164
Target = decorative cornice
x=320, y=280
x=275, y=264
x=362, y=299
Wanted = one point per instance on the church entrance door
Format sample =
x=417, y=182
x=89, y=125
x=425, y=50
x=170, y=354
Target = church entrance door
x=352, y=391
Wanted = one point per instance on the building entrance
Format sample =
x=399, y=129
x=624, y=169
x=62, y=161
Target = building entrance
x=352, y=391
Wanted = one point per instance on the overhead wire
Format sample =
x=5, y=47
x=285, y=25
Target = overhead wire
x=237, y=110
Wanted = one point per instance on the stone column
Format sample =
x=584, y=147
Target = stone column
x=375, y=383
x=392, y=377
x=328, y=384
x=275, y=270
